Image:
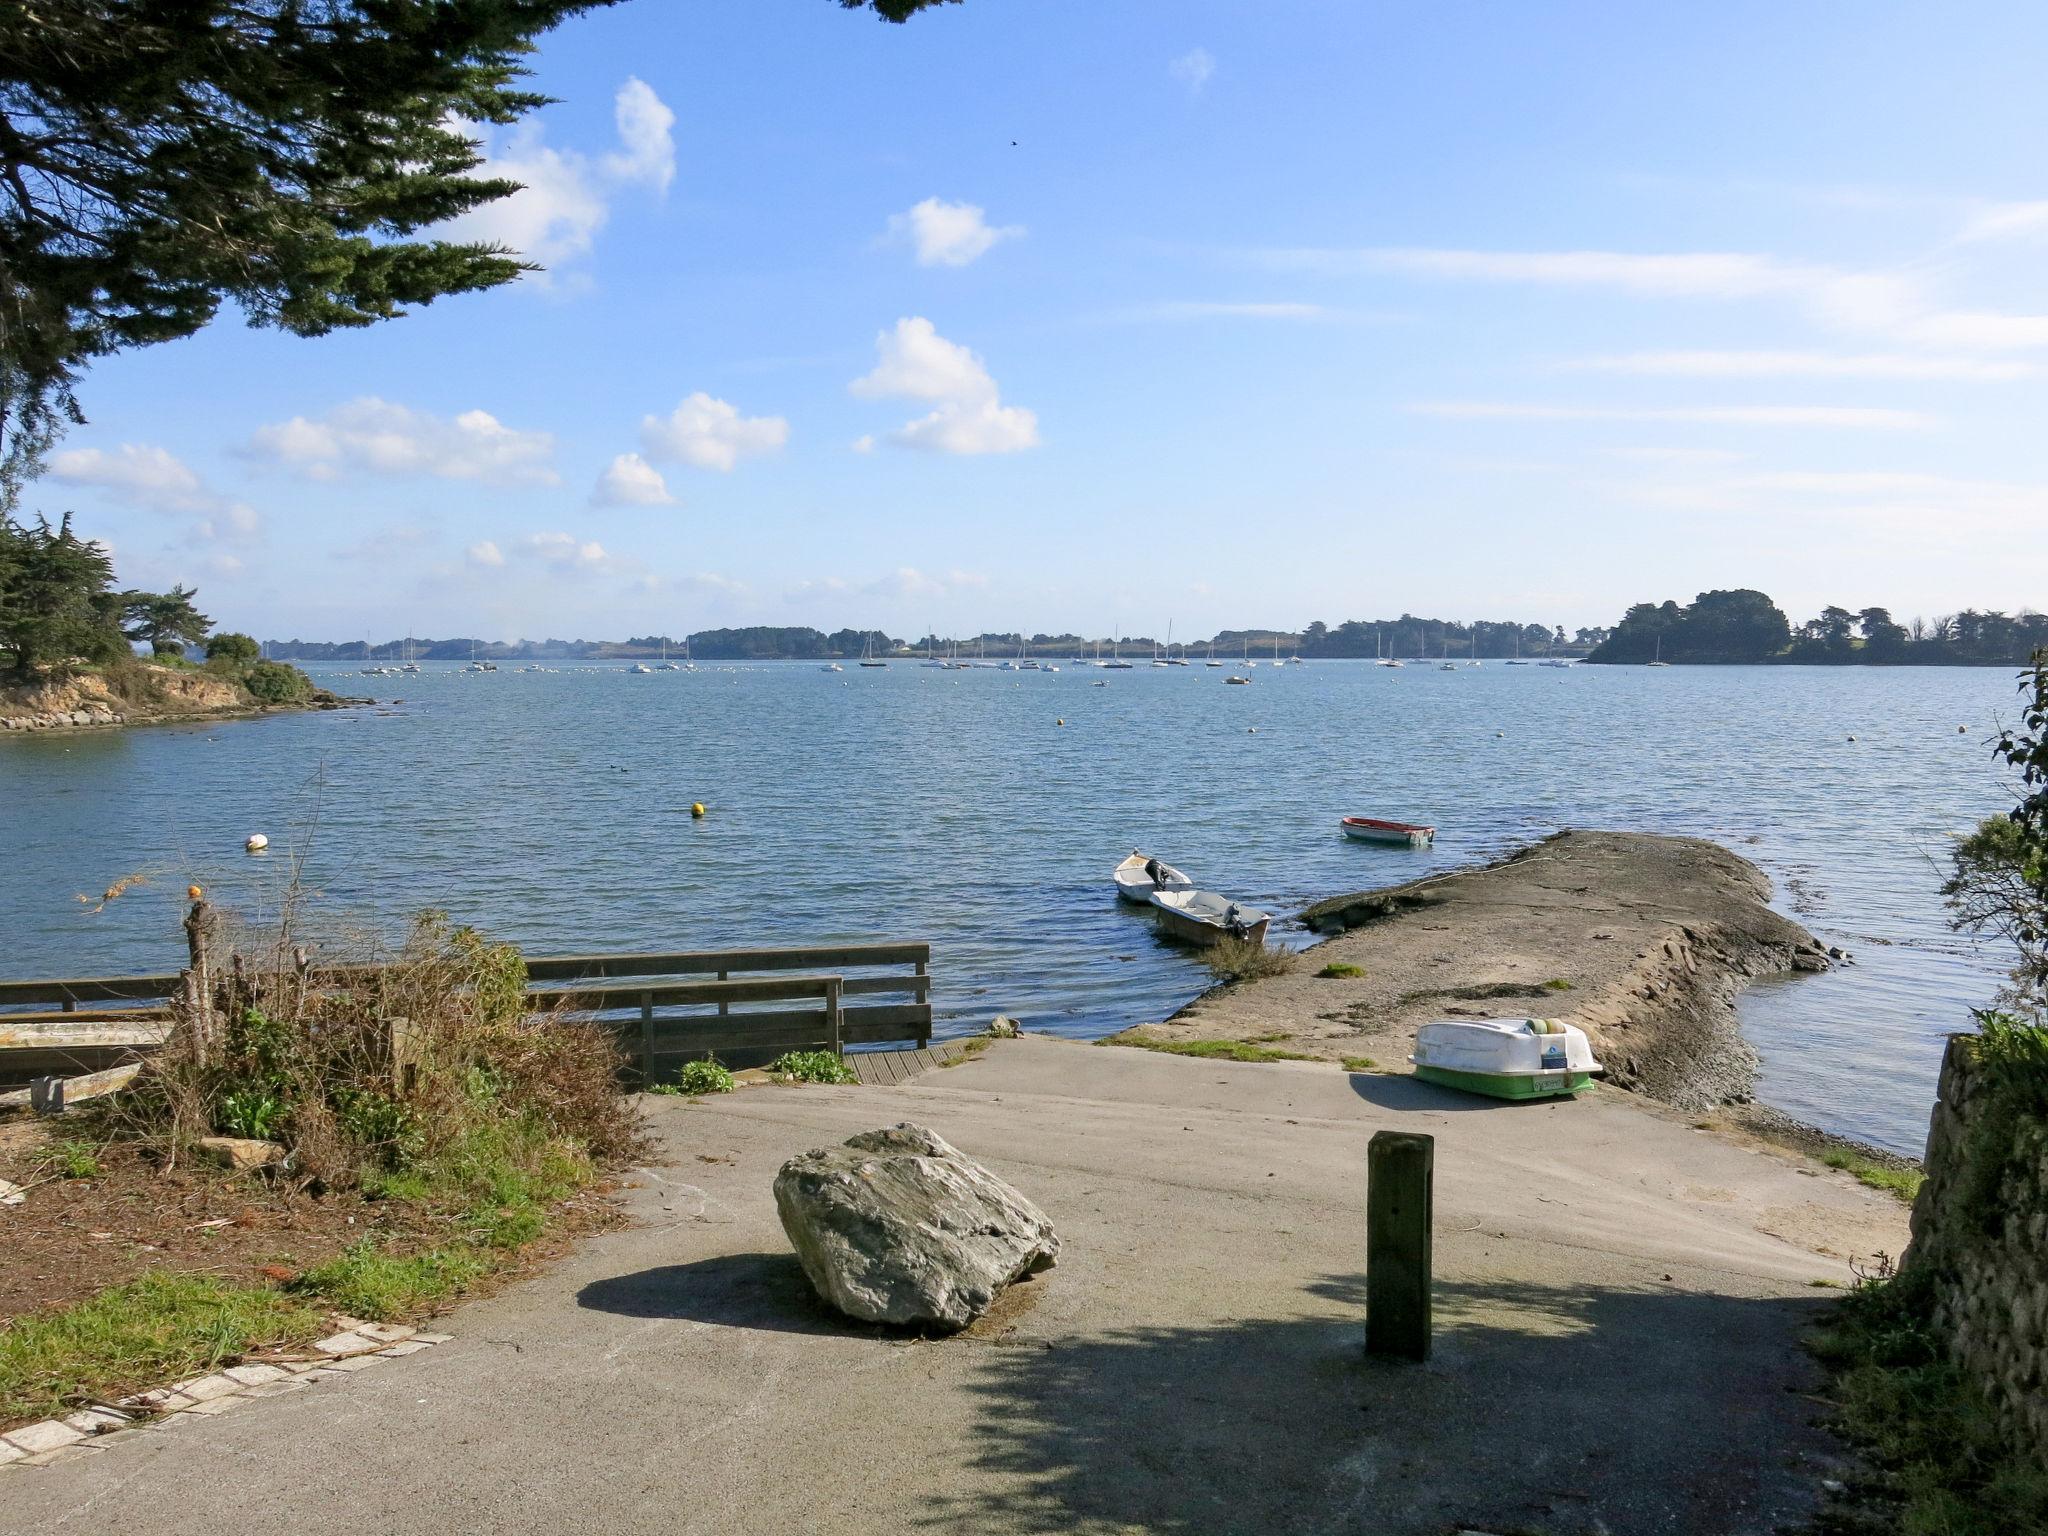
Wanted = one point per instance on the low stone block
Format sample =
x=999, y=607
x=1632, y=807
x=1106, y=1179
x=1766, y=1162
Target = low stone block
x=97, y=1421
x=405, y=1347
x=216, y=1405
x=11, y=1453
x=353, y=1363
x=345, y=1344
x=433, y=1338
x=254, y=1375
x=277, y=1388
x=203, y=1389
x=62, y=1453
x=389, y=1333
x=35, y=1439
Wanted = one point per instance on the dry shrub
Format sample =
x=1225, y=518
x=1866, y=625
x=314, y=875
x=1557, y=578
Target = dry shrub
x=417, y=1072
x=1241, y=959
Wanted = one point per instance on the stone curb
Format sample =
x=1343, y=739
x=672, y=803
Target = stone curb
x=356, y=1347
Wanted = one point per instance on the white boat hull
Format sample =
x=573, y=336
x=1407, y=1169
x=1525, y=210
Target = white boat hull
x=1134, y=885
x=1204, y=918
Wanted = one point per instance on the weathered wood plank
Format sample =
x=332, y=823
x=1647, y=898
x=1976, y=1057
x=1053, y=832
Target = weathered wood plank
x=683, y=962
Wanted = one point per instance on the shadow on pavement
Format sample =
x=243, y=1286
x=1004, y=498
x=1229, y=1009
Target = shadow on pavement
x=766, y=1291
x=1544, y=1409
x=1391, y=1091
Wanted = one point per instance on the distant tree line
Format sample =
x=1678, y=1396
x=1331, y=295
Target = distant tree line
x=1745, y=626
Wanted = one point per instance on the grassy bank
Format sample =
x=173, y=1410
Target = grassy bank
x=1942, y=1466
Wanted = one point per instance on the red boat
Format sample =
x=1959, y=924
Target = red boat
x=1370, y=829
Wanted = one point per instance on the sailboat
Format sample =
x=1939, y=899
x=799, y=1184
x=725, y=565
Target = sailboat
x=1378, y=659
x=868, y=658
x=1212, y=661
x=665, y=665
x=1116, y=662
x=1658, y=660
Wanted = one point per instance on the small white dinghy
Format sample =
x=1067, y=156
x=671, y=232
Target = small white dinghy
x=1138, y=877
x=1506, y=1058
x=1203, y=917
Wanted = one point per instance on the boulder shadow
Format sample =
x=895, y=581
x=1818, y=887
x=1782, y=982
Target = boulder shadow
x=764, y=1291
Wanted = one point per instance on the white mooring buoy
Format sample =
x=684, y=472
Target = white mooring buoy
x=257, y=843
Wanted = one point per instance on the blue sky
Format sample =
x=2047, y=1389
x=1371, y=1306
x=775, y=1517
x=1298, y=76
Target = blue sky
x=1043, y=315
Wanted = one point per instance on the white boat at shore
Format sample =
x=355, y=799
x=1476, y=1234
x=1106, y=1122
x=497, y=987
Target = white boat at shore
x=1204, y=917
x=1506, y=1058
x=1138, y=877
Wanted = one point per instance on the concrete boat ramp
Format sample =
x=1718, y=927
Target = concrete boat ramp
x=1619, y=1303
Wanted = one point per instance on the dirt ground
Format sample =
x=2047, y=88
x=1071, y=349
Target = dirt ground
x=72, y=1238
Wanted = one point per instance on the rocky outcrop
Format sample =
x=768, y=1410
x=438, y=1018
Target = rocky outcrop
x=1642, y=941
x=1980, y=1239
x=896, y=1226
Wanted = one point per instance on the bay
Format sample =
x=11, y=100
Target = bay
x=982, y=810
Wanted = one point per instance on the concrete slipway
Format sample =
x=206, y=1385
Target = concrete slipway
x=1619, y=1303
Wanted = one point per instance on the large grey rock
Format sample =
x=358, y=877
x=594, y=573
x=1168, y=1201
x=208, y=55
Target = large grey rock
x=896, y=1226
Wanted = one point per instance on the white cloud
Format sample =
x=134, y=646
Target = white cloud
x=710, y=434
x=865, y=443
x=949, y=234
x=1214, y=310
x=157, y=480
x=1193, y=69
x=630, y=481
x=908, y=581
x=1849, y=416
x=565, y=197
x=1922, y=507
x=486, y=553
x=986, y=427
x=380, y=437
x=1804, y=365
x=915, y=362
x=647, y=152
x=1893, y=304
x=2002, y=220
x=566, y=552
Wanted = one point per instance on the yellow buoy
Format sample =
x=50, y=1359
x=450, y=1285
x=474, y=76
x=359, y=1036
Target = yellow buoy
x=194, y=892
x=1059, y=722
x=696, y=807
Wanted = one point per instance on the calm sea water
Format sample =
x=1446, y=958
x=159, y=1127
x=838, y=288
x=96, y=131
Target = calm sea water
x=553, y=809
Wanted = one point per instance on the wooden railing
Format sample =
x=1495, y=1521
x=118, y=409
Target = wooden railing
x=665, y=1007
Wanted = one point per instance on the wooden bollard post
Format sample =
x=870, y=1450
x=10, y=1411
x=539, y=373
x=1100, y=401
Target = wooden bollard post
x=1400, y=1171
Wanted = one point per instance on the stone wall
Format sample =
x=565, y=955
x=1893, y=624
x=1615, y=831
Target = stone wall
x=1987, y=1266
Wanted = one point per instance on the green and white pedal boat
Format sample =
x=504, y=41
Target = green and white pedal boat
x=1506, y=1058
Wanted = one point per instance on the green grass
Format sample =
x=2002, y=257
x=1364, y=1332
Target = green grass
x=1903, y=1183
x=699, y=1077
x=812, y=1067
x=1557, y=984
x=1945, y=1466
x=73, y=1159
x=153, y=1330
x=1360, y=1064
x=1218, y=1050
x=1339, y=968
x=365, y=1280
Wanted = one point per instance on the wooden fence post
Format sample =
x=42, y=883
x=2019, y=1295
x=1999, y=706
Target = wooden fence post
x=724, y=1007
x=834, y=1019
x=924, y=995
x=1400, y=1175
x=200, y=924
x=646, y=1039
